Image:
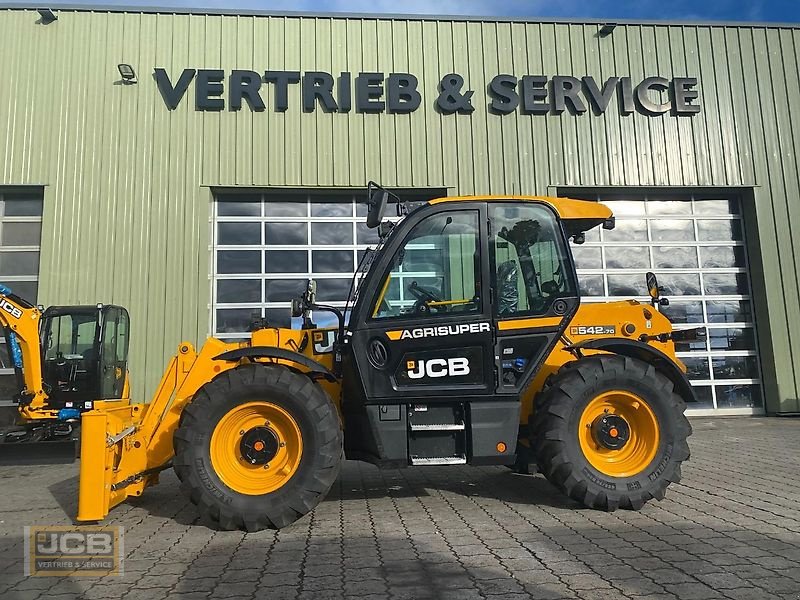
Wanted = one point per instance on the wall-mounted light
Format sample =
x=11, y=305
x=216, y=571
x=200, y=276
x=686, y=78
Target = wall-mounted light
x=127, y=73
x=47, y=15
x=607, y=29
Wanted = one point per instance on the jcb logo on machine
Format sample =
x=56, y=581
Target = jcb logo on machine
x=440, y=331
x=438, y=367
x=593, y=330
x=10, y=309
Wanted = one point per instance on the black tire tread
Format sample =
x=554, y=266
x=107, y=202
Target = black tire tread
x=261, y=512
x=550, y=434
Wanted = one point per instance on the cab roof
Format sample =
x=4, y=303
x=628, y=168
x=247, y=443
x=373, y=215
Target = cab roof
x=578, y=215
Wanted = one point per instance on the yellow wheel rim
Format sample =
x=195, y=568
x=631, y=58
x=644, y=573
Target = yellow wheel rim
x=643, y=434
x=259, y=421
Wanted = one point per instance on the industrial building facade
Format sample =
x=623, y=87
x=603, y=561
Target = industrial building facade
x=198, y=168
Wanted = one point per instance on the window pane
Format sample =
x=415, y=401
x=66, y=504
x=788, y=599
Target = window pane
x=238, y=234
x=8, y=387
x=704, y=397
x=627, y=257
x=239, y=290
x=234, y=320
x=22, y=206
x=240, y=208
x=592, y=285
x=713, y=230
x=332, y=261
x=672, y=230
x=239, y=261
x=279, y=317
x=283, y=290
x=680, y=284
x=627, y=285
x=622, y=208
x=332, y=290
x=438, y=262
x=286, y=209
x=696, y=368
x=5, y=358
x=669, y=207
x=740, y=338
x=19, y=263
x=724, y=284
x=331, y=209
x=735, y=367
x=675, y=257
x=684, y=312
x=587, y=257
x=365, y=235
x=27, y=290
x=285, y=234
x=738, y=396
x=626, y=230
x=729, y=311
x=716, y=207
x=286, y=261
x=722, y=256
x=331, y=233
x=20, y=234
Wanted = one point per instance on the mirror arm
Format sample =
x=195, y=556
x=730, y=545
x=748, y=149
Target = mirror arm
x=337, y=346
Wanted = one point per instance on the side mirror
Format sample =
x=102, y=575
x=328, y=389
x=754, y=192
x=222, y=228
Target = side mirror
x=652, y=286
x=654, y=290
x=303, y=304
x=377, y=200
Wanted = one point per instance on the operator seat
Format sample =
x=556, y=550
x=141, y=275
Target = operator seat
x=507, y=290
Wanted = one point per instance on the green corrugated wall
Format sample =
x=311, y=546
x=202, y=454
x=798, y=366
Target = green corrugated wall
x=127, y=194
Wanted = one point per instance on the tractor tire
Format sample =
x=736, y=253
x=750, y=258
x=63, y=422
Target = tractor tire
x=610, y=432
x=258, y=447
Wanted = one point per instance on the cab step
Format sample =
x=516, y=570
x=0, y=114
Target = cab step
x=438, y=427
x=443, y=460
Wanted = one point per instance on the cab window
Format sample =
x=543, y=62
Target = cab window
x=436, y=271
x=530, y=260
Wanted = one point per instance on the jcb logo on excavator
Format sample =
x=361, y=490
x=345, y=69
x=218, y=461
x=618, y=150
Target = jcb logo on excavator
x=10, y=309
x=438, y=367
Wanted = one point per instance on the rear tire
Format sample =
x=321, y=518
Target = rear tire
x=571, y=451
x=290, y=409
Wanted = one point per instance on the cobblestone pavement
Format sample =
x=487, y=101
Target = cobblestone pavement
x=731, y=529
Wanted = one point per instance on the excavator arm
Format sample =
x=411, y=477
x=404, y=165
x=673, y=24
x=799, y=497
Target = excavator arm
x=19, y=321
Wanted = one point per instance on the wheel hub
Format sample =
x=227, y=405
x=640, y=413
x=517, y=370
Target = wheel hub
x=259, y=445
x=611, y=431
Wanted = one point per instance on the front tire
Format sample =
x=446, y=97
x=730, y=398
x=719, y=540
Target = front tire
x=610, y=432
x=258, y=447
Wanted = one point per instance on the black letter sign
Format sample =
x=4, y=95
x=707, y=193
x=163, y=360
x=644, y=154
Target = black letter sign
x=245, y=84
x=401, y=89
x=317, y=84
x=173, y=95
x=369, y=89
x=208, y=88
x=504, y=90
x=282, y=79
x=648, y=106
x=684, y=93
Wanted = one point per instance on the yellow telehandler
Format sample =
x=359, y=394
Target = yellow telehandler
x=464, y=342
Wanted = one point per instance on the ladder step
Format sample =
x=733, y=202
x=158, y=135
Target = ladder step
x=444, y=460
x=438, y=427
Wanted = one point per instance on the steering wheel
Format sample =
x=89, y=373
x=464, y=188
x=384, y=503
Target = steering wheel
x=423, y=295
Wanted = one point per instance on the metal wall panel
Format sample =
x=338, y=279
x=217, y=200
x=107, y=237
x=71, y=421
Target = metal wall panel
x=127, y=182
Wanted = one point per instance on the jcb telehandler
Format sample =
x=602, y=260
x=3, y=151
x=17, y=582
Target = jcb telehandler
x=466, y=343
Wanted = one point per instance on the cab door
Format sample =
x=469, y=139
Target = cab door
x=535, y=288
x=423, y=329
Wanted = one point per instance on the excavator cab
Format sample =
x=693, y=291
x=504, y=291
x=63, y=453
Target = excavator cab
x=84, y=354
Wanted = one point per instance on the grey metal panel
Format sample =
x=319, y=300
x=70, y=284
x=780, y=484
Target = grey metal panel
x=127, y=201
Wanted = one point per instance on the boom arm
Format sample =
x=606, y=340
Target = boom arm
x=20, y=323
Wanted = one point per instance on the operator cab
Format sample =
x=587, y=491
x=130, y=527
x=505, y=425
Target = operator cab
x=84, y=354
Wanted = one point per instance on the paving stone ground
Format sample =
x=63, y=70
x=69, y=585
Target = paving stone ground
x=730, y=529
